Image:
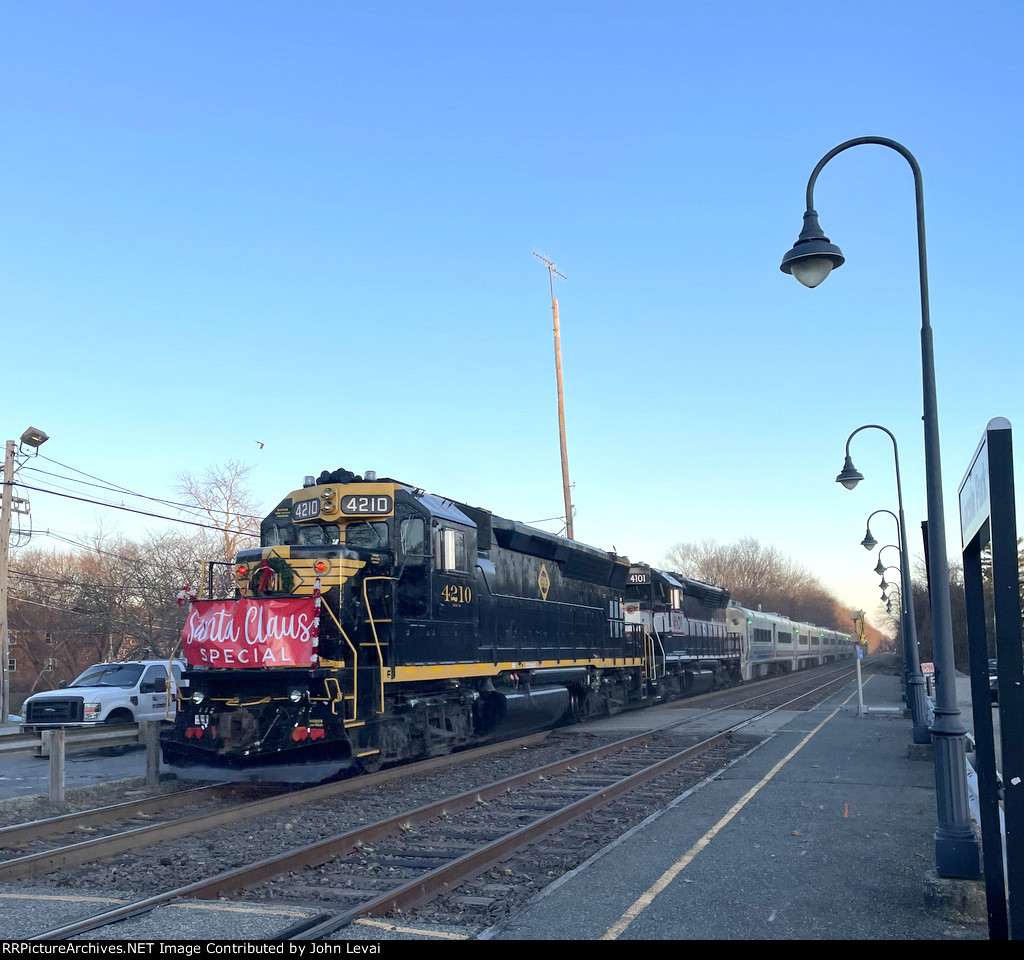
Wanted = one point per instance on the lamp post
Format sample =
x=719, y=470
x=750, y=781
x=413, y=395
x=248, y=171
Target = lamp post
x=30, y=438
x=849, y=477
x=887, y=585
x=879, y=567
x=887, y=598
x=869, y=542
x=810, y=260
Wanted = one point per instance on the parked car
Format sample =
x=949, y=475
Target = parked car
x=107, y=693
x=993, y=680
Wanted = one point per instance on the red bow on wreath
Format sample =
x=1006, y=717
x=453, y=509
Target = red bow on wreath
x=267, y=575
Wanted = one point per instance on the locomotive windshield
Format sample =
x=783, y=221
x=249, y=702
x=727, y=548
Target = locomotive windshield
x=361, y=534
x=369, y=536
x=303, y=535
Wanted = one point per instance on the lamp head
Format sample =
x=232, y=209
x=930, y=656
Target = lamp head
x=879, y=568
x=850, y=476
x=34, y=438
x=869, y=542
x=813, y=257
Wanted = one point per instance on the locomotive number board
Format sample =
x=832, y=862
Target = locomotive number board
x=375, y=504
x=306, y=509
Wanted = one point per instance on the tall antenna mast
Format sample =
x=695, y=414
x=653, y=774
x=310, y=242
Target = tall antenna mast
x=552, y=273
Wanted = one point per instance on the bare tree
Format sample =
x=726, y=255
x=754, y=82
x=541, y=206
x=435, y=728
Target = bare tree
x=958, y=615
x=756, y=575
x=110, y=599
x=221, y=496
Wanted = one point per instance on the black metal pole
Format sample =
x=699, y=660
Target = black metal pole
x=956, y=846
x=915, y=680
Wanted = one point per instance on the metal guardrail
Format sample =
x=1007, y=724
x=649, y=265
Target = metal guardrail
x=75, y=738
x=56, y=742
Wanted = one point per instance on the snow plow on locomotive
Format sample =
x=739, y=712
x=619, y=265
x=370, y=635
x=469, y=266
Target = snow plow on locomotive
x=377, y=623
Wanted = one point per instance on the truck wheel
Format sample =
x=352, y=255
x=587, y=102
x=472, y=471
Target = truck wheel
x=115, y=717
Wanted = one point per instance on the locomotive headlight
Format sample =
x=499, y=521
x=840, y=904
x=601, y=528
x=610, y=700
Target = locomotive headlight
x=296, y=694
x=321, y=566
x=329, y=493
x=242, y=570
x=198, y=696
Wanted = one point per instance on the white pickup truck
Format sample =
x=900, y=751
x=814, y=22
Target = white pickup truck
x=107, y=693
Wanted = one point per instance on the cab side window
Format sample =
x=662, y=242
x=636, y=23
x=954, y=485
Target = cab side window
x=411, y=588
x=451, y=553
x=412, y=542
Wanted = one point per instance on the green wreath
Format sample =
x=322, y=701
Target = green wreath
x=285, y=576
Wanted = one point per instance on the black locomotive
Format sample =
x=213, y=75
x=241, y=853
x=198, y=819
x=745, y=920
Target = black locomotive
x=377, y=623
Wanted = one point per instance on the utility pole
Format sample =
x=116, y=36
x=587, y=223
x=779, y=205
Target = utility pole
x=5, y=549
x=30, y=438
x=552, y=273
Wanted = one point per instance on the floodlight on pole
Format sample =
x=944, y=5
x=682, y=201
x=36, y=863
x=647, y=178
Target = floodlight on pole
x=35, y=438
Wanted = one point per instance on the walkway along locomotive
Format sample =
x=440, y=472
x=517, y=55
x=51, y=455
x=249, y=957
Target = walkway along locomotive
x=377, y=623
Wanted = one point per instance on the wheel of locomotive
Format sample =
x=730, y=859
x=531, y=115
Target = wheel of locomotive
x=573, y=713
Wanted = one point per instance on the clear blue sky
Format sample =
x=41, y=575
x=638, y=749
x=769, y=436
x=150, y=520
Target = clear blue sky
x=310, y=225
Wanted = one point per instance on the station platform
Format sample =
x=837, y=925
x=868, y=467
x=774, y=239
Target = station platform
x=824, y=831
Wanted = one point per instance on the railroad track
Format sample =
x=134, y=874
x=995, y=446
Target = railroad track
x=106, y=819
x=431, y=850
x=137, y=838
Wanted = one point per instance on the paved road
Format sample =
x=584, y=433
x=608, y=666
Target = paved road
x=22, y=776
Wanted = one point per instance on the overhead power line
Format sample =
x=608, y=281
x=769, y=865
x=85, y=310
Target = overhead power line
x=116, y=488
x=144, y=513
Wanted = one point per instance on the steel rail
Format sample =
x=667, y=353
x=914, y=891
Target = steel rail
x=320, y=852
x=423, y=889
x=21, y=833
x=75, y=854
x=37, y=864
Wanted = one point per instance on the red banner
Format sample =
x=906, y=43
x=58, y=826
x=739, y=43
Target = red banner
x=251, y=633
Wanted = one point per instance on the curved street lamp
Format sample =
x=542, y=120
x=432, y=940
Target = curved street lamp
x=812, y=258
x=869, y=542
x=849, y=478
x=879, y=567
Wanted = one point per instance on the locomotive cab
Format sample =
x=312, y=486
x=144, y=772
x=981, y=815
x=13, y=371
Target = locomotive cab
x=683, y=623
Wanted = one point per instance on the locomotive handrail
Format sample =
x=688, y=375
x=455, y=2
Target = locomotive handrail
x=355, y=662
x=649, y=666
x=664, y=655
x=376, y=639
x=339, y=696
